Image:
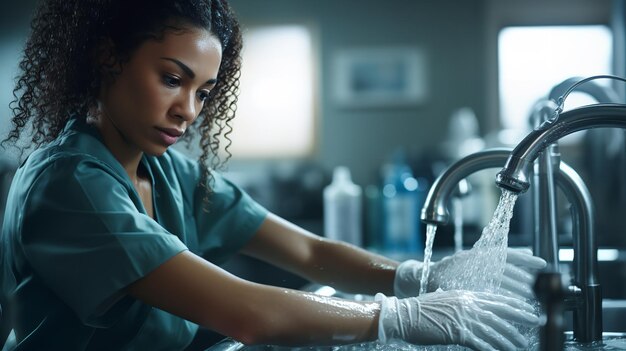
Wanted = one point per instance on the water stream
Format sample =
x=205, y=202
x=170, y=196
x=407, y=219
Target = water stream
x=431, y=229
x=483, y=270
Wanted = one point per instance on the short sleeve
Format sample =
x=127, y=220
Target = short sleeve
x=228, y=221
x=84, y=236
x=224, y=223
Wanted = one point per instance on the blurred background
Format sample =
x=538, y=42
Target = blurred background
x=366, y=84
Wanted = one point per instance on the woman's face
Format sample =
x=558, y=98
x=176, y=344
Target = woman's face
x=159, y=93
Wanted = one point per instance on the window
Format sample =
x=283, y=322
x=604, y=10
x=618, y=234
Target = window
x=533, y=59
x=275, y=116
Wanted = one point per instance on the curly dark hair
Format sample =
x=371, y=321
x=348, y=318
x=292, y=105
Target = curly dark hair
x=60, y=75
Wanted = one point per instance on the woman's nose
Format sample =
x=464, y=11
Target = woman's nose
x=186, y=107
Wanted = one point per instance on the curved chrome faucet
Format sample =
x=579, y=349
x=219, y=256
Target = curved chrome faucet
x=545, y=241
x=435, y=208
x=584, y=297
x=515, y=174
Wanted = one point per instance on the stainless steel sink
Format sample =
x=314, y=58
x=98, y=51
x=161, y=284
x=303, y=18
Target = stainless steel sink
x=613, y=316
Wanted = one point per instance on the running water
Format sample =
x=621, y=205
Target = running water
x=431, y=229
x=483, y=271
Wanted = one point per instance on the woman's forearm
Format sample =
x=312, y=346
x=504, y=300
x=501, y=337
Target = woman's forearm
x=352, y=269
x=293, y=318
x=343, y=266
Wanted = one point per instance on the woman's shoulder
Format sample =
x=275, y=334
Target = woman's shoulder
x=53, y=175
x=76, y=149
x=62, y=164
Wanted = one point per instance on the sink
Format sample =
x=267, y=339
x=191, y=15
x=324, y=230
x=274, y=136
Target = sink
x=613, y=312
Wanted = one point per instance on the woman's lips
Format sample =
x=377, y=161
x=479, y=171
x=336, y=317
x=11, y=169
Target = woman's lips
x=169, y=136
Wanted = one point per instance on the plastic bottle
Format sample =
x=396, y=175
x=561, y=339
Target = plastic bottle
x=401, y=208
x=342, y=208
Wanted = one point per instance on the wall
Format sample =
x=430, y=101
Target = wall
x=450, y=32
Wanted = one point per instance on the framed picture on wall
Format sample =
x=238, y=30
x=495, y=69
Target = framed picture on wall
x=381, y=76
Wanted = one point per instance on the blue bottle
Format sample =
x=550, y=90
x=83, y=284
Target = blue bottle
x=402, y=199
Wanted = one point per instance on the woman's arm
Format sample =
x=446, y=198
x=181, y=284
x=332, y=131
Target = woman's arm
x=340, y=265
x=194, y=289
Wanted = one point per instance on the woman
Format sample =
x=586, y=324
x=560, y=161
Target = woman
x=106, y=224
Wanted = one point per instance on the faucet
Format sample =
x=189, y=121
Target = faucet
x=514, y=177
x=435, y=209
x=584, y=296
x=545, y=240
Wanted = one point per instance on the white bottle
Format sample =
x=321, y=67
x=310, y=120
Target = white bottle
x=342, y=208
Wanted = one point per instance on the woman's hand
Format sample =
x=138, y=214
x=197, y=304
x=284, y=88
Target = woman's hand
x=478, y=320
x=517, y=278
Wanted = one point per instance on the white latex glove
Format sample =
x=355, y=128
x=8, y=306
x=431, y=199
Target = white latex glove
x=478, y=320
x=517, y=279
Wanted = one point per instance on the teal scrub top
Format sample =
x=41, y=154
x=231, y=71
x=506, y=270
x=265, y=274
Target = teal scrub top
x=76, y=234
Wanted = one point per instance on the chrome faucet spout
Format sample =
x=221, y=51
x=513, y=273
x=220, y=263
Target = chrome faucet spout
x=435, y=210
x=515, y=174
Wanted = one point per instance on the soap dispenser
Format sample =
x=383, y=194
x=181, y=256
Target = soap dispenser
x=342, y=208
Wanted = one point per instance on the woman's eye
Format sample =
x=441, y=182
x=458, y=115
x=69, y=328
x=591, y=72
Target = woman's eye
x=171, y=81
x=203, y=95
